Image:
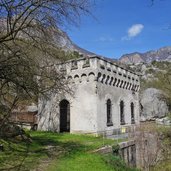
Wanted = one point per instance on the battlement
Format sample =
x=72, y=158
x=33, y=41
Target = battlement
x=101, y=70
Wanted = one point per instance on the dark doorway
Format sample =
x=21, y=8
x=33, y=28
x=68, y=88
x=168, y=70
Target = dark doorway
x=64, y=116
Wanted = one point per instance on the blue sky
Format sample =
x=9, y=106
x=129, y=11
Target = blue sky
x=124, y=26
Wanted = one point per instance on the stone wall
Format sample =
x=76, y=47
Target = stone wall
x=128, y=152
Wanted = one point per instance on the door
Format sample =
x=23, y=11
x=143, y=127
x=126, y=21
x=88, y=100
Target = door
x=64, y=116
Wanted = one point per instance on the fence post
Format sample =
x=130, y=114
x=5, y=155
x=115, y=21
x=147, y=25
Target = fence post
x=103, y=138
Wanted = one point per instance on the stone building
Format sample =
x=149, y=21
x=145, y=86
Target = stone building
x=105, y=96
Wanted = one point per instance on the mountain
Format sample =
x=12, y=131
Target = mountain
x=62, y=40
x=162, y=54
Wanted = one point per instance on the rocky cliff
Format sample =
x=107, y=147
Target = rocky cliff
x=162, y=54
x=61, y=39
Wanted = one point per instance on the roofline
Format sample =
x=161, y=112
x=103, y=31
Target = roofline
x=101, y=58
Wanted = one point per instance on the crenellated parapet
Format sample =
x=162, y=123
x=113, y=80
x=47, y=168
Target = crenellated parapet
x=118, y=81
x=101, y=70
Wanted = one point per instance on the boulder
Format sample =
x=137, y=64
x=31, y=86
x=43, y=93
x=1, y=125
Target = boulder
x=9, y=130
x=32, y=108
x=164, y=121
x=153, y=105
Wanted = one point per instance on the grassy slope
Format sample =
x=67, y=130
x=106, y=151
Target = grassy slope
x=63, y=152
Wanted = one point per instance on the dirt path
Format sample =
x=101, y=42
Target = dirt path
x=53, y=153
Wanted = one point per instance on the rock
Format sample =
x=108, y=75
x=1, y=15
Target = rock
x=164, y=121
x=143, y=68
x=159, y=121
x=23, y=137
x=10, y=130
x=103, y=150
x=18, y=138
x=32, y=108
x=162, y=54
x=153, y=106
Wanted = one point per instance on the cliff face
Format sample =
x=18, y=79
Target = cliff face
x=155, y=92
x=61, y=39
x=162, y=54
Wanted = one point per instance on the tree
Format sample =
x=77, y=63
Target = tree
x=28, y=47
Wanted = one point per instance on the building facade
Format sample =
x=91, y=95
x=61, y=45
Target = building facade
x=105, y=97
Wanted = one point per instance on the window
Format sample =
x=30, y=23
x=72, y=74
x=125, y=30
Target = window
x=122, y=117
x=86, y=63
x=74, y=65
x=109, y=112
x=132, y=113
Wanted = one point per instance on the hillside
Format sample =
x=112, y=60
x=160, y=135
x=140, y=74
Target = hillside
x=61, y=39
x=155, y=94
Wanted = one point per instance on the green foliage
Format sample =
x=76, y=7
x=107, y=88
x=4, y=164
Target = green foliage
x=117, y=164
x=163, y=65
x=166, y=132
x=150, y=71
x=165, y=137
x=115, y=149
x=169, y=115
x=71, y=55
x=69, y=152
x=162, y=79
x=81, y=161
x=163, y=83
x=163, y=166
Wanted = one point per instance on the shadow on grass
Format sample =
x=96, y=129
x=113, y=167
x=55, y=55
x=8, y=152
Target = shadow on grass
x=24, y=156
x=14, y=154
x=67, y=146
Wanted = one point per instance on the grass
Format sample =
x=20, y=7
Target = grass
x=162, y=166
x=58, y=152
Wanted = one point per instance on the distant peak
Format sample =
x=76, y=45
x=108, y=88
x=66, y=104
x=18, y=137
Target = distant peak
x=161, y=54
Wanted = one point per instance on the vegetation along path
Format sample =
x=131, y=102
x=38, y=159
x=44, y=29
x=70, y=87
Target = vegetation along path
x=45, y=151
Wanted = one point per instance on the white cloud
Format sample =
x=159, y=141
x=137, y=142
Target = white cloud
x=133, y=31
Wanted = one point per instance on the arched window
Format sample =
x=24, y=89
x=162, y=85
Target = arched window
x=132, y=113
x=109, y=112
x=122, y=117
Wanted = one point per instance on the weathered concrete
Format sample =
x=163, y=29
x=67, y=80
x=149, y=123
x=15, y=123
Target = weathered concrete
x=104, y=150
x=128, y=152
x=93, y=80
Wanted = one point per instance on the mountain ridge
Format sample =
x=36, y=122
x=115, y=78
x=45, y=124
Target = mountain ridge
x=63, y=40
x=161, y=54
